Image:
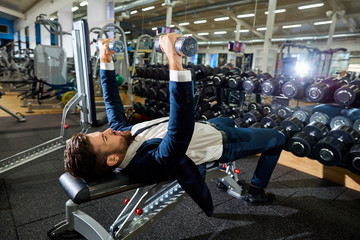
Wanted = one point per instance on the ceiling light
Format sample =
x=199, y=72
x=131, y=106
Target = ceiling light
x=133, y=12
x=172, y=25
x=184, y=24
x=322, y=23
x=200, y=21
x=221, y=32
x=246, y=15
x=127, y=32
x=148, y=8
x=73, y=9
x=52, y=19
x=154, y=28
x=292, y=26
x=203, y=34
x=277, y=11
x=243, y=30
x=163, y=4
x=221, y=19
x=261, y=29
x=188, y=35
x=84, y=3
x=311, y=6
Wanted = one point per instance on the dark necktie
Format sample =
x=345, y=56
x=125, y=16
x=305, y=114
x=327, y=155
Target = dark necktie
x=147, y=127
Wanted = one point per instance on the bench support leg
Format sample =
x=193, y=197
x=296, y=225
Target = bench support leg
x=80, y=222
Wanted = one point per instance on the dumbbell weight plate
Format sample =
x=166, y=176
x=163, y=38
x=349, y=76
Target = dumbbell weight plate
x=282, y=130
x=284, y=112
x=270, y=121
x=329, y=151
x=356, y=126
x=320, y=117
x=316, y=129
x=346, y=95
x=302, y=116
x=301, y=144
x=292, y=125
x=266, y=109
x=352, y=159
x=347, y=134
x=254, y=106
x=340, y=121
x=252, y=116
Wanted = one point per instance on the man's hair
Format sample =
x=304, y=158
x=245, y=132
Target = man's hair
x=80, y=158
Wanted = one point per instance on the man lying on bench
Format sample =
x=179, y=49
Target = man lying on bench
x=170, y=148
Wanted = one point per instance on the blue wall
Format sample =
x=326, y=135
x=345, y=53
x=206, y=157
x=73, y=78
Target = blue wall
x=10, y=35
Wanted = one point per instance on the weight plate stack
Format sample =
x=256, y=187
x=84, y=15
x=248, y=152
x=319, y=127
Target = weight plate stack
x=340, y=121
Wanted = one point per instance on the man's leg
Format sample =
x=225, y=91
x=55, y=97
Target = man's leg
x=243, y=142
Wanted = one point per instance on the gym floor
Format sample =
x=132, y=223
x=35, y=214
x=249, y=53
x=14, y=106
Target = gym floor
x=306, y=207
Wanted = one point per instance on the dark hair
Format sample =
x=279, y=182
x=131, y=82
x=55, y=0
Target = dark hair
x=79, y=157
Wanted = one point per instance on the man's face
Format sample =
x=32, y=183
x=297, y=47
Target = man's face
x=110, y=141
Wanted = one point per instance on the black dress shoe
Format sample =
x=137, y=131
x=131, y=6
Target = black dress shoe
x=260, y=197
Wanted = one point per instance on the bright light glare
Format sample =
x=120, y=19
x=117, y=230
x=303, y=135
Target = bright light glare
x=73, y=9
x=148, y=8
x=277, y=11
x=302, y=68
x=311, y=6
x=84, y=3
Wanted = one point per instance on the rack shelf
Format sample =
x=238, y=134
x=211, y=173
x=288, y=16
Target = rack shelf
x=334, y=174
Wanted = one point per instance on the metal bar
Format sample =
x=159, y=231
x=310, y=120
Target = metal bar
x=19, y=118
x=8, y=165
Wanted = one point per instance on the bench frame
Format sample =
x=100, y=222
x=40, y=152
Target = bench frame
x=154, y=202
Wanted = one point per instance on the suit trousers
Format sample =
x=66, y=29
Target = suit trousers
x=242, y=142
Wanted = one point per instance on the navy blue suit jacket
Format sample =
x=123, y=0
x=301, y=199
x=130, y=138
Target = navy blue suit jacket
x=161, y=159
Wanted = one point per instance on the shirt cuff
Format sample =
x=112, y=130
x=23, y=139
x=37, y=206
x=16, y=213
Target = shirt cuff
x=180, y=76
x=107, y=66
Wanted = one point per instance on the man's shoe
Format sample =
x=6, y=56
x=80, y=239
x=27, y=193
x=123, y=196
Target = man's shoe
x=260, y=197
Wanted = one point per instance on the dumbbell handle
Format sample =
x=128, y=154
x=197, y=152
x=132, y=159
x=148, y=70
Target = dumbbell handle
x=115, y=46
x=184, y=46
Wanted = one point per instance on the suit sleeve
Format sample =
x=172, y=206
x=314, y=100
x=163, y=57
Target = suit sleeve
x=114, y=106
x=181, y=121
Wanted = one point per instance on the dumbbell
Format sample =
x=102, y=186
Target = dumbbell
x=137, y=88
x=163, y=93
x=220, y=80
x=248, y=118
x=331, y=149
x=140, y=72
x=271, y=120
x=284, y=112
x=289, y=127
x=340, y=121
x=302, y=115
x=252, y=83
x=302, y=143
x=235, y=82
x=201, y=108
x=159, y=109
x=352, y=159
x=234, y=113
x=320, y=117
x=349, y=94
x=295, y=88
x=323, y=91
x=184, y=46
x=215, y=111
x=163, y=73
x=201, y=71
x=215, y=70
x=356, y=126
x=154, y=89
x=273, y=86
x=141, y=109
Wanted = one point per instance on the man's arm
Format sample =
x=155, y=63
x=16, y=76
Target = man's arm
x=114, y=106
x=182, y=119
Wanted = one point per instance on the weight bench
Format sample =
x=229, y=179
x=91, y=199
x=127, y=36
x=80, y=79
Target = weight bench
x=140, y=211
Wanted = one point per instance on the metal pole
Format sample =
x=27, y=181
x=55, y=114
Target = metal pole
x=331, y=30
x=268, y=34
